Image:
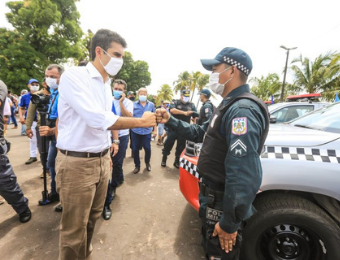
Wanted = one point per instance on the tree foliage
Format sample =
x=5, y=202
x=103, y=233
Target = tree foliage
x=135, y=73
x=265, y=87
x=164, y=93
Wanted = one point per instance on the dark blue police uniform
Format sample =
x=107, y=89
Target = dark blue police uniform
x=229, y=161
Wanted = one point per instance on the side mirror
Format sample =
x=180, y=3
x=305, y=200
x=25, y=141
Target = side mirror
x=272, y=119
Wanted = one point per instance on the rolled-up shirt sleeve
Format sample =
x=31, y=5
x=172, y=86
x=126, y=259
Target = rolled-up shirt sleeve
x=76, y=91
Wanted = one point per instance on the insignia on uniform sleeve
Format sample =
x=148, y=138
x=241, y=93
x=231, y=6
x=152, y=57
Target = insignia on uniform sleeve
x=238, y=148
x=206, y=110
x=239, y=126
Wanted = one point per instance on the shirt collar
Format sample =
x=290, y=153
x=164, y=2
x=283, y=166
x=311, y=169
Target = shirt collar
x=94, y=73
x=238, y=91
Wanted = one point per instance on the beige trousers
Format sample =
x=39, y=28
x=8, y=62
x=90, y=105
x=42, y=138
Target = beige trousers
x=82, y=185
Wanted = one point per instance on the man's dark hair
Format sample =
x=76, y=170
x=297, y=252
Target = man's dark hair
x=103, y=38
x=52, y=66
x=120, y=81
x=83, y=63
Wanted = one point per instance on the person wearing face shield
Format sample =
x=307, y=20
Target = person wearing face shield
x=181, y=109
x=33, y=85
x=229, y=161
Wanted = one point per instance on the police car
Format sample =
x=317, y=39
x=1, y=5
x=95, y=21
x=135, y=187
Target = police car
x=298, y=204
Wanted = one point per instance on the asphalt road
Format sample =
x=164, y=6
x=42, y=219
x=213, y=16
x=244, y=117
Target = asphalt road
x=151, y=219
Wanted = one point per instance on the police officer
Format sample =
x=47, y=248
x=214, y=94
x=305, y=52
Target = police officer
x=207, y=107
x=229, y=162
x=183, y=110
x=9, y=187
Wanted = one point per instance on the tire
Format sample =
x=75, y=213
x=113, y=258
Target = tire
x=288, y=227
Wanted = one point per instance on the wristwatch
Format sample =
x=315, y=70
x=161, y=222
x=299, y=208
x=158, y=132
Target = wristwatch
x=116, y=141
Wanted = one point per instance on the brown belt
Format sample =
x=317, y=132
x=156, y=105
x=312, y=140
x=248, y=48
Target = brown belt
x=83, y=154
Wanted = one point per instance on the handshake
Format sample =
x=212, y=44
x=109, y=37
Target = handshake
x=161, y=116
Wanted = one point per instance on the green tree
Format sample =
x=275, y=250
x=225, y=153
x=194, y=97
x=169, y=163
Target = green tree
x=183, y=81
x=318, y=76
x=18, y=60
x=50, y=27
x=164, y=93
x=135, y=73
x=265, y=87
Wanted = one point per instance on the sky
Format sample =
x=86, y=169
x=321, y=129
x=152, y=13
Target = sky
x=172, y=36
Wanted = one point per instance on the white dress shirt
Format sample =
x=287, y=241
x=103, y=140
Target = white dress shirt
x=128, y=104
x=84, y=110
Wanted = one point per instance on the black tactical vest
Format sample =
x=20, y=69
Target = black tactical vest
x=202, y=118
x=211, y=160
x=183, y=107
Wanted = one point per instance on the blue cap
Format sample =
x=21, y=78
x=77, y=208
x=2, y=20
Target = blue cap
x=32, y=80
x=205, y=92
x=230, y=56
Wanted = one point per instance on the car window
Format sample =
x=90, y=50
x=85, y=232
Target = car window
x=325, y=119
x=289, y=113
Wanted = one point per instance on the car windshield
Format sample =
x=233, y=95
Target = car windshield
x=275, y=106
x=325, y=119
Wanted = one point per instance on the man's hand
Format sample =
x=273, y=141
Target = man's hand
x=22, y=121
x=189, y=113
x=227, y=240
x=122, y=98
x=148, y=119
x=114, y=149
x=29, y=133
x=45, y=131
x=162, y=116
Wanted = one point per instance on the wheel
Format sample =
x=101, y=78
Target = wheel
x=288, y=227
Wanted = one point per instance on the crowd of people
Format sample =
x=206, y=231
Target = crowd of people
x=89, y=121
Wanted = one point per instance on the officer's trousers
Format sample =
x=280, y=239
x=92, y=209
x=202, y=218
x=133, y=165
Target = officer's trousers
x=211, y=244
x=9, y=187
x=170, y=141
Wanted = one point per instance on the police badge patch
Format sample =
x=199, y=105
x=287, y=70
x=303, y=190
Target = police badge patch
x=239, y=126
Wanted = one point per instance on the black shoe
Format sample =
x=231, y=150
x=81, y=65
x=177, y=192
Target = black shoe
x=107, y=213
x=176, y=164
x=136, y=170
x=148, y=167
x=163, y=164
x=31, y=160
x=53, y=197
x=120, y=183
x=58, y=208
x=25, y=216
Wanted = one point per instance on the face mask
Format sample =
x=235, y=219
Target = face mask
x=166, y=105
x=132, y=98
x=52, y=83
x=117, y=94
x=186, y=99
x=214, y=84
x=34, y=88
x=142, y=98
x=113, y=66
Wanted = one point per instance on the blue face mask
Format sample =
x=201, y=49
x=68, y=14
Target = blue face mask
x=142, y=98
x=117, y=94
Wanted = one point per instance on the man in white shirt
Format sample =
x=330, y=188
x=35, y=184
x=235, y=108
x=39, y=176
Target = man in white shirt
x=121, y=106
x=83, y=161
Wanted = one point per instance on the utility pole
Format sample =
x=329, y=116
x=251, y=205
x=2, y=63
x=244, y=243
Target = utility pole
x=284, y=76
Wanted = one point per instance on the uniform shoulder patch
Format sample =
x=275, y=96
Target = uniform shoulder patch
x=206, y=110
x=239, y=126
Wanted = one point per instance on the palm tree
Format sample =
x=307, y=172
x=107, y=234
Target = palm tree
x=202, y=81
x=184, y=80
x=318, y=75
x=164, y=93
x=265, y=87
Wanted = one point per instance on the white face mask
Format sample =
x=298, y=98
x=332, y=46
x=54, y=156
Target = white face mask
x=52, y=83
x=186, y=99
x=34, y=88
x=113, y=66
x=214, y=84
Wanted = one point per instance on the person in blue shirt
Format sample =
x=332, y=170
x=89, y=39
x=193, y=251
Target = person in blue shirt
x=33, y=85
x=141, y=136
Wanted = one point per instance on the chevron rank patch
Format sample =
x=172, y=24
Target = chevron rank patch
x=238, y=149
x=239, y=126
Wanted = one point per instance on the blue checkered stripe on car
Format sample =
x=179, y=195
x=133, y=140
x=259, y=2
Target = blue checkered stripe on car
x=302, y=154
x=189, y=167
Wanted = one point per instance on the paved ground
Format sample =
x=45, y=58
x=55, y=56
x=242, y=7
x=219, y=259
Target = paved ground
x=151, y=219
